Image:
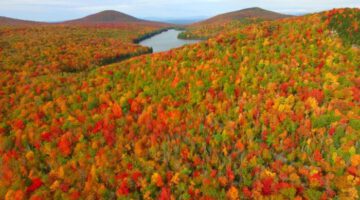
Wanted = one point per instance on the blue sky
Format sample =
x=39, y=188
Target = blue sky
x=58, y=10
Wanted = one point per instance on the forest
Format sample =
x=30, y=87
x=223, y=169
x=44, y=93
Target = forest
x=261, y=109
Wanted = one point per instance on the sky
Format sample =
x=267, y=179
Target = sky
x=60, y=10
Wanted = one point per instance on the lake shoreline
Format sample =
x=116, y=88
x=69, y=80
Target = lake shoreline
x=154, y=33
x=165, y=40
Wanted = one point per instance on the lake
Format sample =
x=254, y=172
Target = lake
x=166, y=40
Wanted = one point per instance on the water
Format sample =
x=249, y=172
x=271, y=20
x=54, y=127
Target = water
x=166, y=40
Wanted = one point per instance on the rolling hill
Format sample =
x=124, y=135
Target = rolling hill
x=103, y=17
x=227, y=21
x=12, y=21
x=246, y=13
x=108, y=17
x=74, y=45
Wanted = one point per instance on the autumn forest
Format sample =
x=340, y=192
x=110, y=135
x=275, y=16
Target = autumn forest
x=265, y=106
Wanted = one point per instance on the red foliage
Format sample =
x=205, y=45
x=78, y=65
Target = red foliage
x=165, y=194
x=247, y=193
x=35, y=184
x=317, y=177
x=331, y=131
x=46, y=136
x=136, y=175
x=185, y=153
x=213, y=173
x=110, y=137
x=64, y=187
x=230, y=173
x=123, y=189
x=135, y=107
x=267, y=186
x=19, y=124
x=74, y=195
x=320, y=65
x=320, y=30
x=64, y=145
x=98, y=126
x=117, y=111
x=282, y=185
x=356, y=94
x=122, y=176
x=352, y=170
x=318, y=95
x=317, y=155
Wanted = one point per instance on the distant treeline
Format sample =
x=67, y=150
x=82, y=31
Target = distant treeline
x=110, y=60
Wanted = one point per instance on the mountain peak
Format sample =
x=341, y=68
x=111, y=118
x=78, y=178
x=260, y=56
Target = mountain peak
x=110, y=12
x=254, y=8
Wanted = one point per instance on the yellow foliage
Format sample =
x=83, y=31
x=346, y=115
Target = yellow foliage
x=55, y=186
x=139, y=151
x=61, y=172
x=355, y=160
x=312, y=102
x=294, y=178
x=232, y=193
x=14, y=195
x=30, y=155
x=175, y=179
x=266, y=42
x=156, y=179
x=93, y=171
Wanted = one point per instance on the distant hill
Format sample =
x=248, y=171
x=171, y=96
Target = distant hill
x=104, y=17
x=228, y=21
x=11, y=21
x=108, y=17
x=246, y=13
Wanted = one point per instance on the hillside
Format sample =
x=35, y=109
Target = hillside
x=108, y=17
x=270, y=110
x=56, y=48
x=227, y=21
x=73, y=46
x=11, y=21
x=245, y=13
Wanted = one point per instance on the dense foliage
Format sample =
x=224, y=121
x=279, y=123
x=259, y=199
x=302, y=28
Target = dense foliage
x=54, y=48
x=267, y=110
x=208, y=30
x=346, y=23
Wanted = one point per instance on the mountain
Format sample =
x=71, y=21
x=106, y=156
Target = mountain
x=11, y=21
x=246, y=13
x=104, y=17
x=108, y=17
x=215, y=25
